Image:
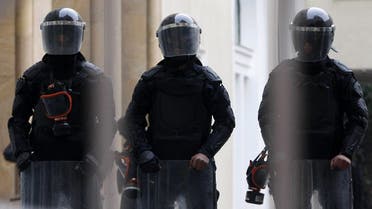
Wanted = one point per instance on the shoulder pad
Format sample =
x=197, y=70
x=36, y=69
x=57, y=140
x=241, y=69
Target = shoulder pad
x=91, y=69
x=341, y=67
x=150, y=73
x=210, y=74
x=32, y=72
x=284, y=65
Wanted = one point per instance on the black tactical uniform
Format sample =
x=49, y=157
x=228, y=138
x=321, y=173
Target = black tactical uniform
x=312, y=110
x=70, y=101
x=180, y=103
x=87, y=85
x=180, y=96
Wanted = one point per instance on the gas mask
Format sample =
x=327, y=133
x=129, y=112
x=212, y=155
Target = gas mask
x=58, y=104
x=257, y=174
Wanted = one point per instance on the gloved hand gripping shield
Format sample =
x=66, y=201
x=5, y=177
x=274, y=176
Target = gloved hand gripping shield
x=58, y=104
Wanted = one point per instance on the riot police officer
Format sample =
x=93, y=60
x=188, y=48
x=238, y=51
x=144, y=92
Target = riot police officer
x=180, y=96
x=70, y=101
x=312, y=117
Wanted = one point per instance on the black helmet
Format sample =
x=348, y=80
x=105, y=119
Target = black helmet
x=62, y=32
x=312, y=34
x=178, y=35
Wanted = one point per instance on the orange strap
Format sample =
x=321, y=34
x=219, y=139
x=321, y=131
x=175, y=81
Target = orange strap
x=63, y=115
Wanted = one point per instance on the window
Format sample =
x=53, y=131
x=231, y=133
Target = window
x=245, y=23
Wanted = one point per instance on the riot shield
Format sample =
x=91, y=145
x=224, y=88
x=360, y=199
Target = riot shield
x=310, y=184
x=59, y=184
x=177, y=186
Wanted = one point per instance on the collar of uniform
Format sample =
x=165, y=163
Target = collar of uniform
x=64, y=70
x=195, y=61
x=80, y=57
x=311, y=67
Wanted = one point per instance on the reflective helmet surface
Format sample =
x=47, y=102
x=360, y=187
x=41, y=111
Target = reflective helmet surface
x=178, y=35
x=62, y=32
x=312, y=34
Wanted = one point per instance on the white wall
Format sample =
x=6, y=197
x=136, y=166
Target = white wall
x=272, y=44
x=251, y=67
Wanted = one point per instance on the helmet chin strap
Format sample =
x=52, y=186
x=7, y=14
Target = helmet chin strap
x=333, y=49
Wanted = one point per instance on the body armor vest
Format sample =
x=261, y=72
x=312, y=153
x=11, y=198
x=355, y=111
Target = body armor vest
x=315, y=117
x=80, y=118
x=179, y=120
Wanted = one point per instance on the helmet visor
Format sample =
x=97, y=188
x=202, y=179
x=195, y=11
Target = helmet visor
x=62, y=37
x=177, y=40
x=312, y=43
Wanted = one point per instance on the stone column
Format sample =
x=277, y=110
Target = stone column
x=112, y=62
x=24, y=35
x=97, y=32
x=7, y=84
x=40, y=9
x=153, y=21
x=134, y=45
x=113, y=47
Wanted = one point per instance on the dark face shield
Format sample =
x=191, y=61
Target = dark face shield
x=62, y=37
x=179, y=39
x=312, y=44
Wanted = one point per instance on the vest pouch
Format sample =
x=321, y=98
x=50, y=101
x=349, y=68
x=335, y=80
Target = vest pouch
x=61, y=128
x=58, y=104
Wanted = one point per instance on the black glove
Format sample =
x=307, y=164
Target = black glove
x=9, y=155
x=23, y=160
x=148, y=162
x=90, y=166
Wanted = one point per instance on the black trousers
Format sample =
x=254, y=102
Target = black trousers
x=176, y=186
x=308, y=184
x=59, y=184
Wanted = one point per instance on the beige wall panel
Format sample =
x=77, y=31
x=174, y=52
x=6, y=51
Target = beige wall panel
x=7, y=83
x=153, y=19
x=97, y=32
x=83, y=8
x=40, y=10
x=113, y=49
x=134, y=45
x=112, y=62
x=24, y=35
x=112, y=36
